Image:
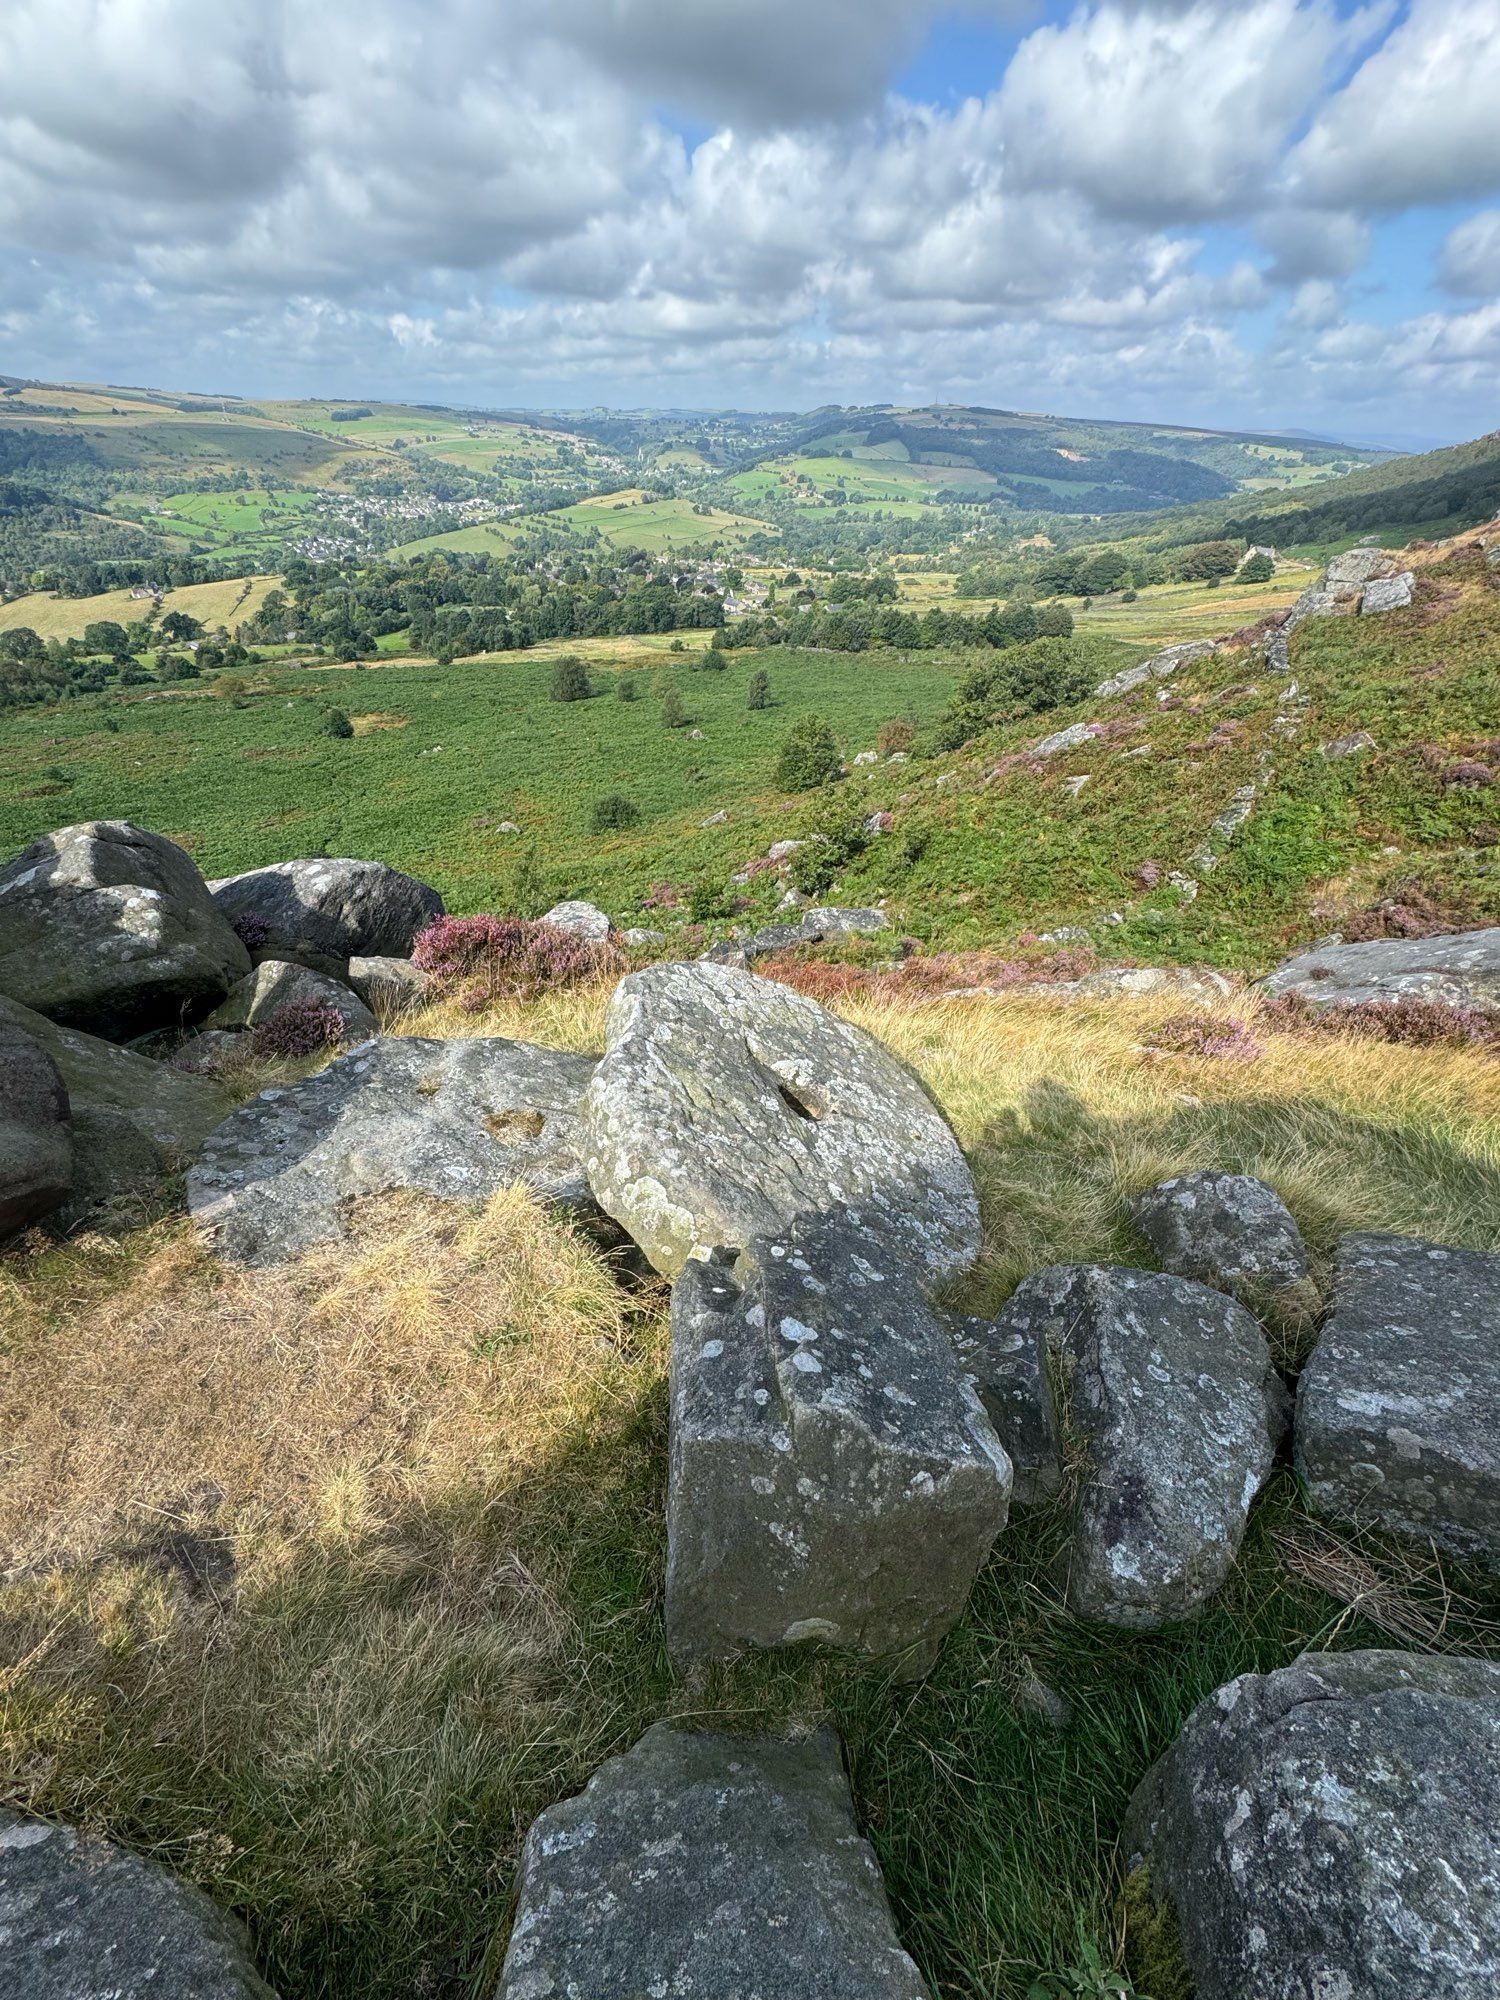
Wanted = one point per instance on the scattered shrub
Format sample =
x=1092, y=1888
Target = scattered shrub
x=706, y=902
x=894, y=736
x=673, y=714
x=300, y=1028
x=1410, y=1022
x=809, y=756
x=252, y=931
x=625, y=687
x=478, y=959
x=336, y=723
x=1258, y=568
x=614, y=812
x=840, y=839
x=1209, y=1036
x=570, y=679
x=759, y=693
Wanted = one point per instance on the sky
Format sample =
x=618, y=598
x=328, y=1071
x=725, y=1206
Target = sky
x=1240, y=213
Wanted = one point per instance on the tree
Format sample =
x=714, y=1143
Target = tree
x=809, y=756
x=759, y=693
x=570, y=679
x=178, y=626
x=614, y=812
x=105, y=636
x=625, y=687
x=673, y=714
x=336, y=723
x=1256, y=568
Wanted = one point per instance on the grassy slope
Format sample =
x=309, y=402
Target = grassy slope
x=235, y=599
x=326, y=1637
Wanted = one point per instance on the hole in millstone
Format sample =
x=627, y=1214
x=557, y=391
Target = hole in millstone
x=510, y=1127
x=798, y=1105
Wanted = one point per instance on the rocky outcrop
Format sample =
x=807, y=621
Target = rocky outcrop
x=276, y=983
x=701, y=1864
x=458, y=1120
x=1387, y=593
x=1006, y=1360
x=814, y=926
x=583, y=920
x=1161, y=666
x=36, y=1142
x=1329, y=1831
x=110, y=929
x=321, y=913
x=1463, y=970
x=1398, y=1409
x=134, y=1121
x=1177, y=1408
x=833, y=1474
x=389, y=987
x=1072, y=738
x=728, y=1107
x=82, y=1919
x=1227, y=1230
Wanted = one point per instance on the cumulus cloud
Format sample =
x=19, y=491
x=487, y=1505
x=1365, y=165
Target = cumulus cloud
x=495, y=199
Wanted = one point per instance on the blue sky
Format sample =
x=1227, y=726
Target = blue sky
x=1268, y=213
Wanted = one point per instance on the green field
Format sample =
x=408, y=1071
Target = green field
x=484, y=538
x=630, y=520
x=244, y=786
x=228, y=603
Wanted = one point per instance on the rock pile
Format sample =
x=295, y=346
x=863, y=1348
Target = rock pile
x=321, y=913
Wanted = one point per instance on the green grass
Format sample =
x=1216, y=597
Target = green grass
x=436, y=1605
x=630, y=521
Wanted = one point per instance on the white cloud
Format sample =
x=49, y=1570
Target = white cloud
x=1469, y=262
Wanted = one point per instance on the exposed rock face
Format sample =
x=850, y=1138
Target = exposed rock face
x=1178, y=1407
x=1073, y=738
x=1350, y=571
x=1328, y=1832
x=276, y=983
x=458, y=1120
x=322, y=913
x=134, y=1120
x=814, y=926
x=833, y=1473
x=1006, y=1359
x=110, y=929
x=1387, y=593
x=1354, y=745
x=1398, y=1409
x=728, y=1107
x=706, y=1865
x=388, y=986
x=1158, y=668
x=81, y=1919
x=1227, y=1230
x=1464, y=970
x=36, y=1143
x=584, y=920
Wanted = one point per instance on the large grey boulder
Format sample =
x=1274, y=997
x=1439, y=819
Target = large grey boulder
x=1388, y=593
x=111, y=929
x=458, y=1120
x=728, y=1107
x=1463, y=970
x=82, y=1919
x=134, y=1121
x=1178, y=1410
x=36, y=1143
x=1398, y=1408
x=388, y=986
x=276, y=983
x=322, y=913
x=1227, y=1230
x=1329, y=1832
x=833, y=1474
x=581, y=920
x=706, y=1866
x=1350, y=571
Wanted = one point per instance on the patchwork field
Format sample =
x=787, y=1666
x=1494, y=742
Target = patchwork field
x=226, y=603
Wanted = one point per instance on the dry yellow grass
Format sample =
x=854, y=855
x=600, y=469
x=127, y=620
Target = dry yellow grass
x=52, y=617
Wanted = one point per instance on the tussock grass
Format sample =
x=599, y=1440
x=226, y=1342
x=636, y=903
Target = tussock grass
x=319, y=1583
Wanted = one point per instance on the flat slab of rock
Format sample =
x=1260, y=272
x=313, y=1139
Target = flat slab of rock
x=1159, y=667
x=1463, y=970
x=111, y=929
x=458, y=1120
x=814, y=926
x=1328, y=1832
x=1072, y=738
x=728, y=1107
x=1398, y=1408
x=134, y=1120
x=388, y=986
x=82, y=1919
x=322, y=913
x=36, y=1139
x=1351, y=570
x=276, y=983
x=1227, y=1230
x=833, y=1473
x=707, y=1866
x=1006, y=1359
x=1178, y=1408
x=1387, y=593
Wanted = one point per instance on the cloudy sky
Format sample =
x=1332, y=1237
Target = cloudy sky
x=1270, y=212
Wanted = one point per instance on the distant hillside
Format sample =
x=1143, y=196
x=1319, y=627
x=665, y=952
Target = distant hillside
x=1454, y=488
x=1067, y=465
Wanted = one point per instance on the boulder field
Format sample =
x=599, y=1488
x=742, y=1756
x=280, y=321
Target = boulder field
x=844, y=1451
